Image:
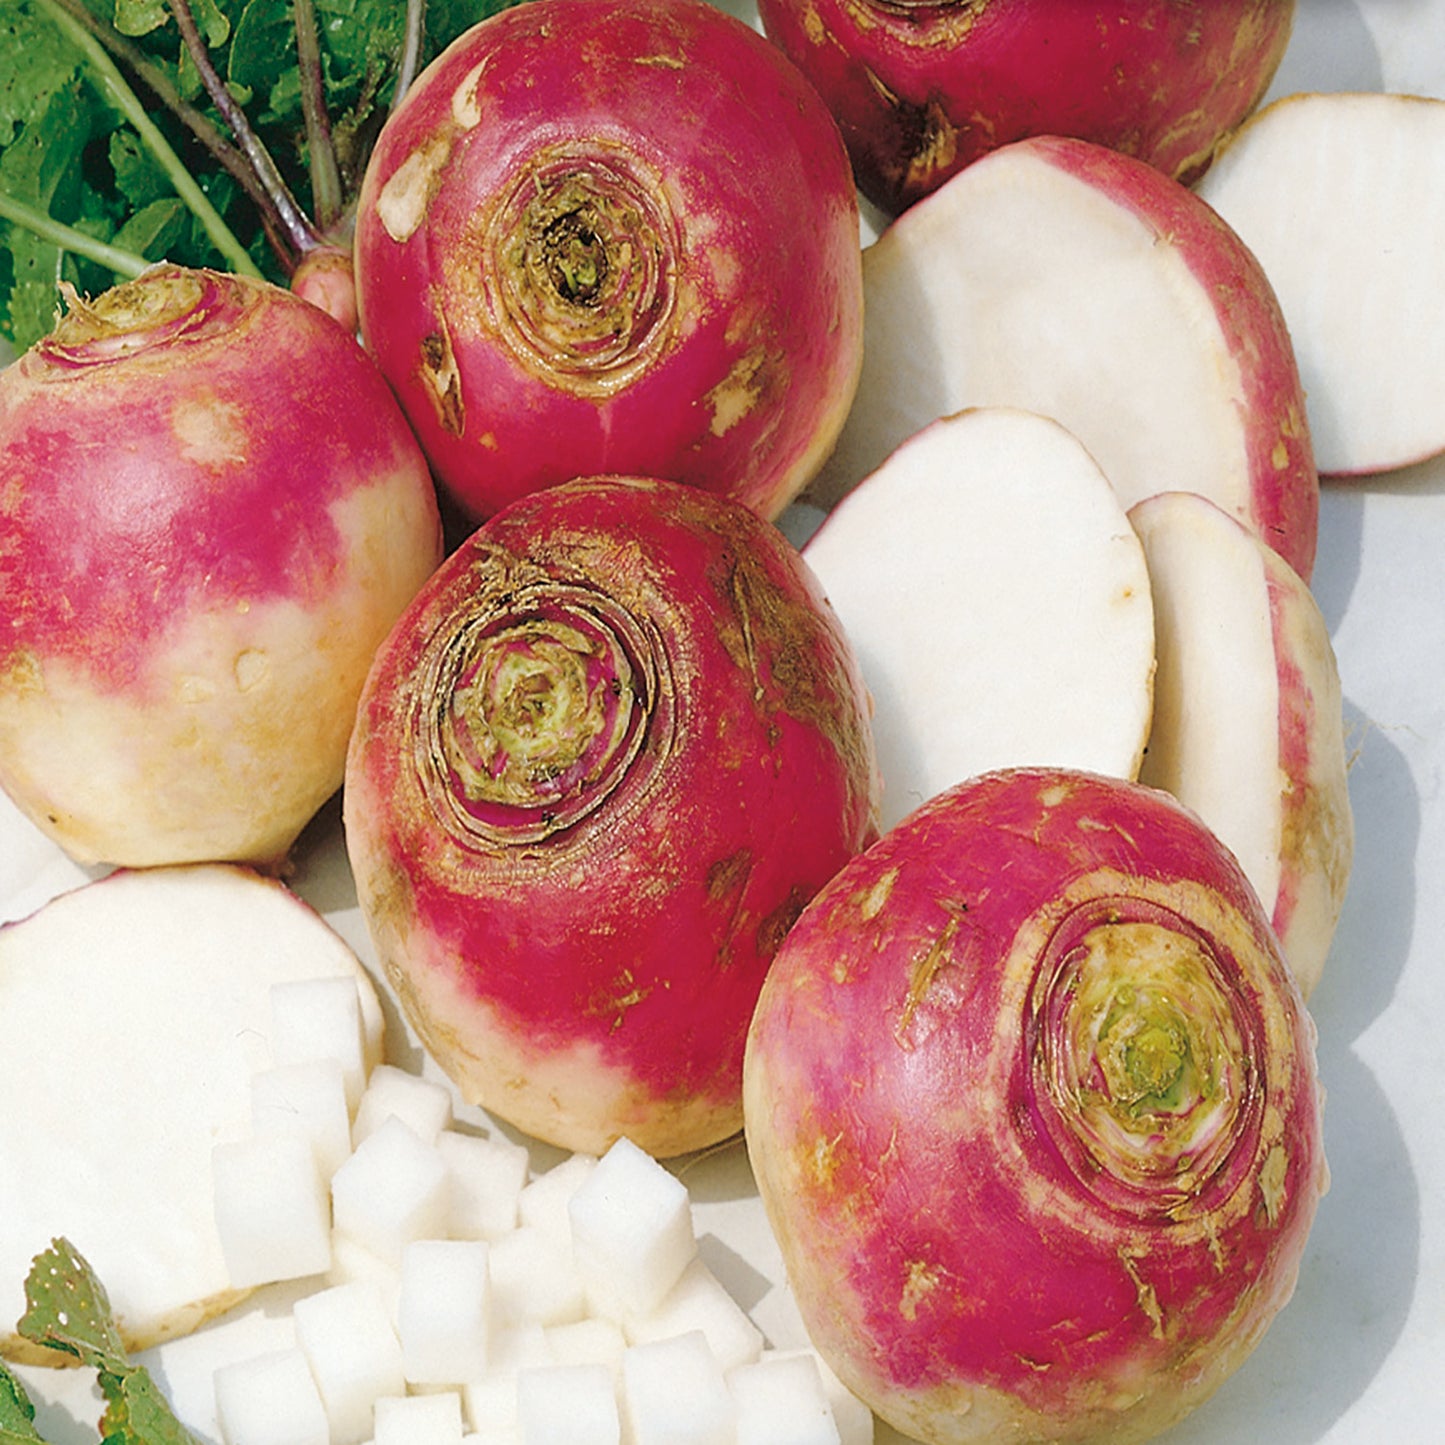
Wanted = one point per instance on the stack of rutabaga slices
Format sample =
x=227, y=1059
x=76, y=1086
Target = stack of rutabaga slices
x=212, y=1117
x=1073, y=515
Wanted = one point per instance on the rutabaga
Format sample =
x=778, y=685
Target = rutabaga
x=1032, y=1103
x=599, y=767
x=922, y=88
x=1071, y=280
x=661, y=279
x=211, y=511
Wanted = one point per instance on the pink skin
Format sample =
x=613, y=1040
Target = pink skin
x=578, y=252
x=577, y=894
x=922, y=89
x=973, y=1249
x=211, y=511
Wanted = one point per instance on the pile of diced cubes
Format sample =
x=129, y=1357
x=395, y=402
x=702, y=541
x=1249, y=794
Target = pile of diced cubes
x=460, y=1295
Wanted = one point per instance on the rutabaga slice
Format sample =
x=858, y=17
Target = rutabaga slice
x=1248, y=730
x=1077, y=282
x=136, y=1010
x=998, y=601
x=1342, y=199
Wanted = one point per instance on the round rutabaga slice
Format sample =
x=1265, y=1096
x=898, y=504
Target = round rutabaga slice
x=1248, y=730
x=1080, y=283
x=136, y=1010
x=998, y=601
x=1342, y=199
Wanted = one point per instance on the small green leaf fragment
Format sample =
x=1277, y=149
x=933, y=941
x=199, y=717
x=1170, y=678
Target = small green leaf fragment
x=17, y=1413
x=67, y=1309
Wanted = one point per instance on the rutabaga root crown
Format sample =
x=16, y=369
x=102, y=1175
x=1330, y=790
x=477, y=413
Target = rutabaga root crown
x=1032, y=1104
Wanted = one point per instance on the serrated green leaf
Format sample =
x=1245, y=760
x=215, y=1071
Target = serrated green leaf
x=137, y=177
x=33, y=297
x=139, y=1414
x=17, y=1413
x=264, y=30
x=140, y=17
x=35, y=61
x=67, y=1309
x=155, y=230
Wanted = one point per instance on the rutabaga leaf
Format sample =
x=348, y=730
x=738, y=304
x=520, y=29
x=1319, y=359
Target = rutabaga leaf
x=140, y=17
x=67, y=1309
x=137, y=176
x=17, y=1413
x=155, y=230
x=35, y=61
x=42, y=168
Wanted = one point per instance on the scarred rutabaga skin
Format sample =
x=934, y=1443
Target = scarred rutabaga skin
x=600, y=765
x=922, y=88
x=211, y=512
x=1032, y=1103
x=613, y=236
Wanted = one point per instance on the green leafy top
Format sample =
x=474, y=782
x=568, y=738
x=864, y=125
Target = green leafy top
x=115, y=152
x=68, y=1310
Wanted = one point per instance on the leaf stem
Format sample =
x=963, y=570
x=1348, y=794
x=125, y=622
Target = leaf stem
x=326, y=194
x=297, y=227
x=410, y=61
x=114, y=258
x=200, y=125
x=113, y=84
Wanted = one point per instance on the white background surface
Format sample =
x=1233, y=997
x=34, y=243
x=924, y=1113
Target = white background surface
x=1357, y=1356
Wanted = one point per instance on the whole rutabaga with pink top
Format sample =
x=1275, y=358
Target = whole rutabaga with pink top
x=599, y=768
x=211, y=512
x=613, y=236
x=1032, y=1103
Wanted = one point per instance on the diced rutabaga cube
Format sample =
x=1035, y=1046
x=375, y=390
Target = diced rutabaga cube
x=346, y=1334
x=593, y=1341
x=491, y=1398
x=572, y=1403
x=699, y=1301
x=855, y=1421
x=273, y=1217
x=270, y=1399
x=674, y=1393
x=321, y=1018
x=352, y=1262
x=781, y=1401
x=419, y=1419
x=535, y=1278
x=308, y=1099
x=544, y=1202
x=495, y=1432
x=487, y=1178
x=632, y=1231
x=490, y=1402
x=390, y=1190
x=425, y=1105
x=442, y=1310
